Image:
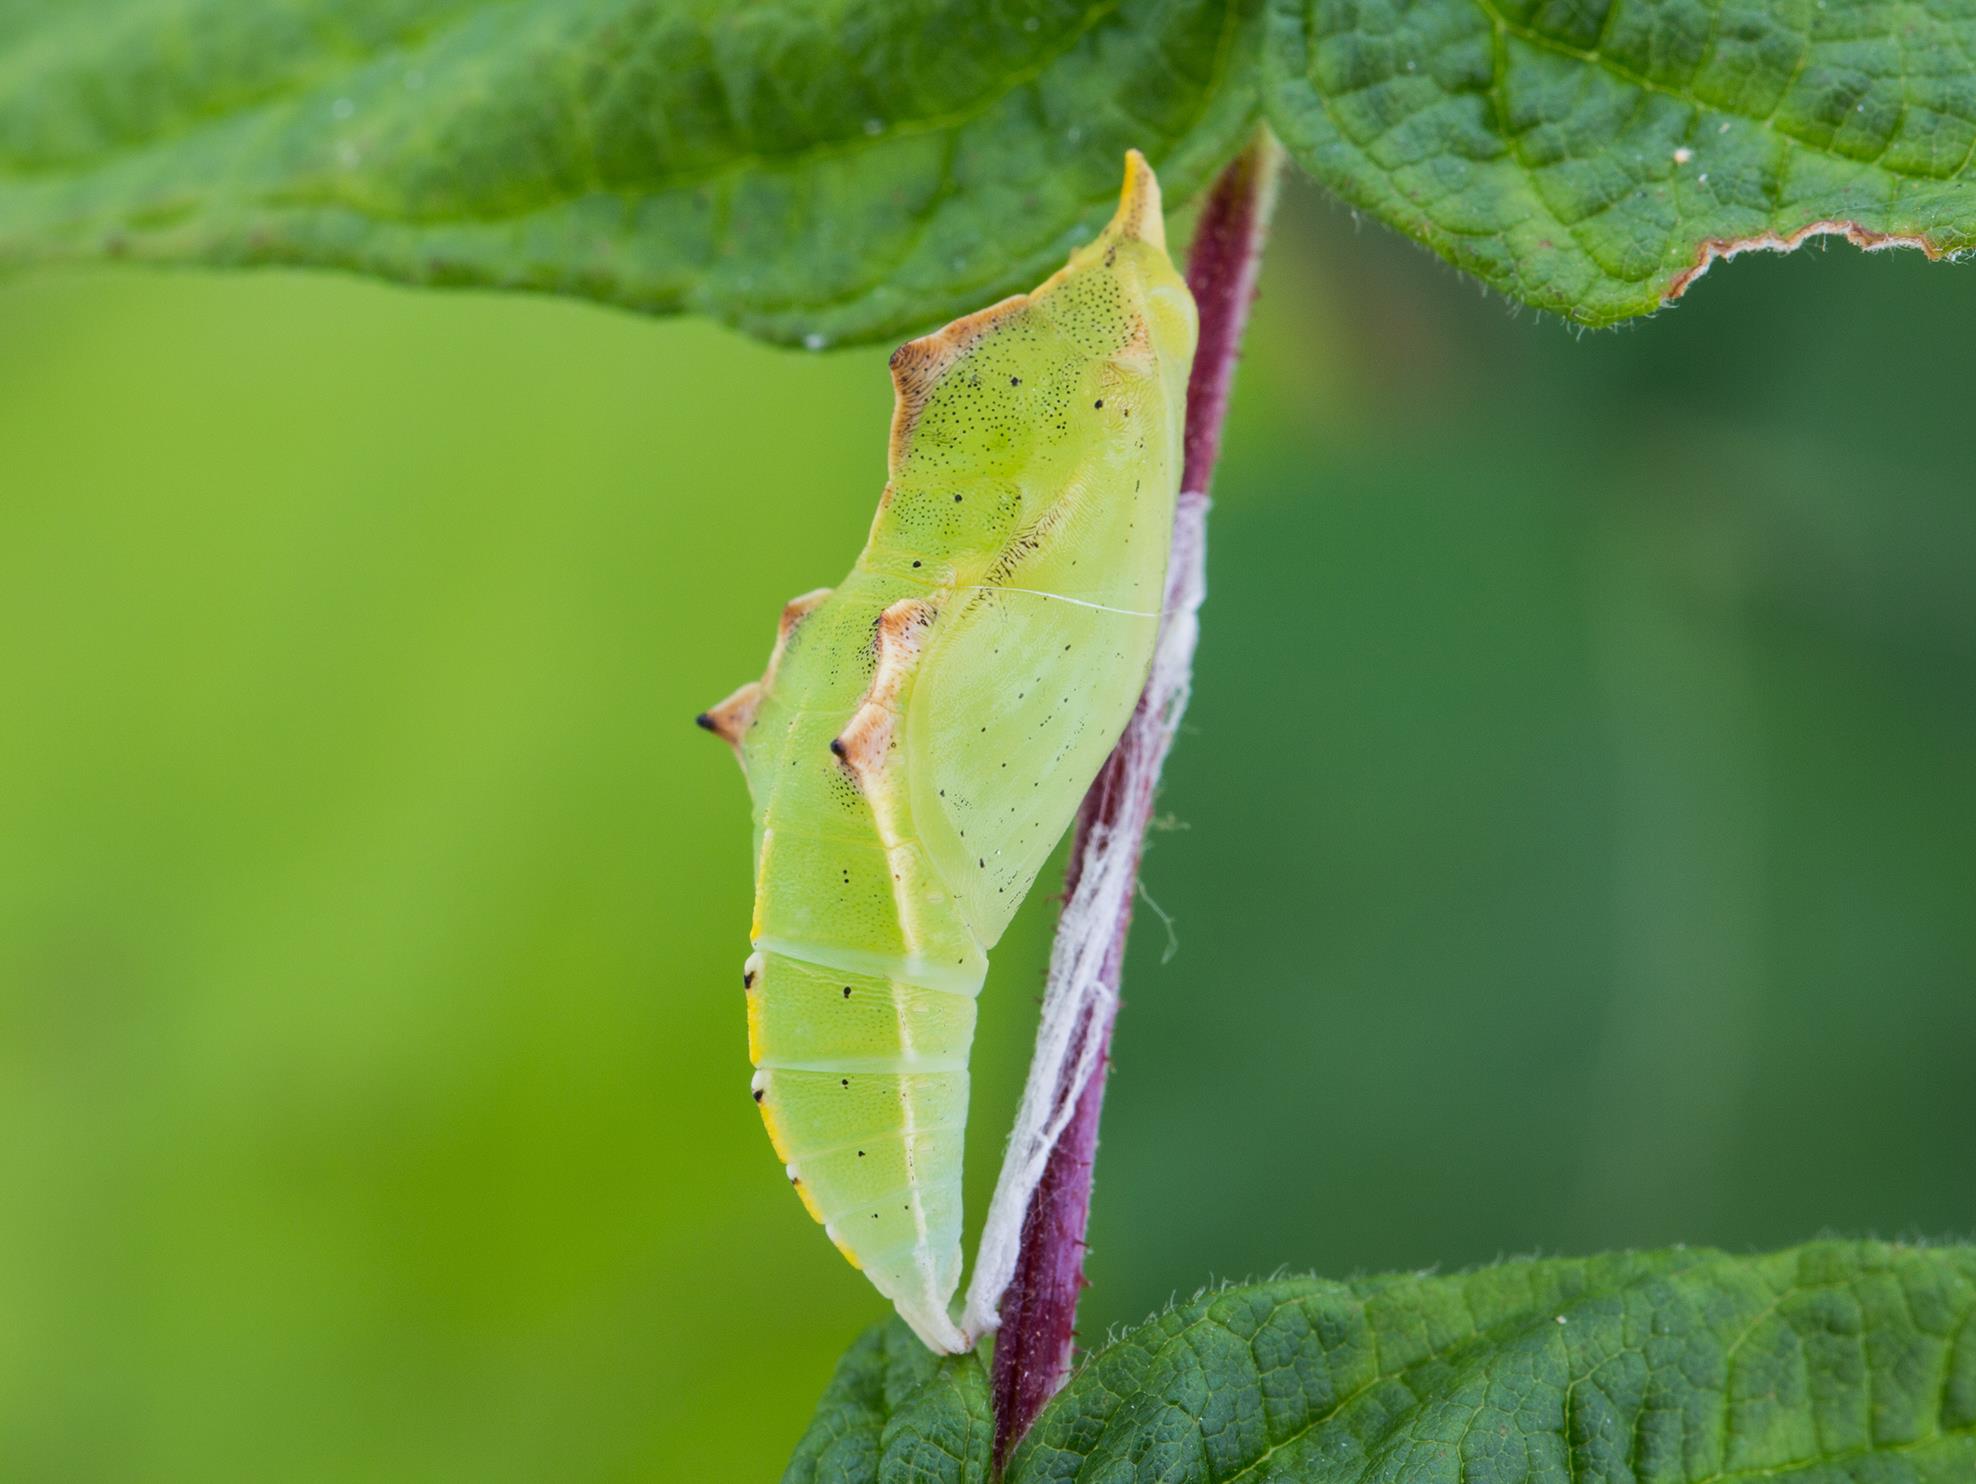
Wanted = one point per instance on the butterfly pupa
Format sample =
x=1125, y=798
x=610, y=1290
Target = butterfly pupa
x=925, y=730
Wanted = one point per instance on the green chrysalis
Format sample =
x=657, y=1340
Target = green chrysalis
x=925, y=731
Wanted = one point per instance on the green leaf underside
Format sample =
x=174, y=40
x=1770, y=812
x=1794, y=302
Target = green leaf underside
x=859, y=169
x=1588, y=156
x=816, y=172
x=1833, y=1363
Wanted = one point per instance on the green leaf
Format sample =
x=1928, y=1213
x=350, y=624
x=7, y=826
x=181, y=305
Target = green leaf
x=895, y=1411
x=811, y=172
x=1590, y=157
x=1834, y=1362
x=855, y=169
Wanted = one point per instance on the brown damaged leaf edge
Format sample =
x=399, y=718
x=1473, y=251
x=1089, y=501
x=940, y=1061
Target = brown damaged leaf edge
x=1713, y=249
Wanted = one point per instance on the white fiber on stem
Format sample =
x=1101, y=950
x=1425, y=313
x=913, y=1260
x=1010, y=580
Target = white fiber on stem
x=1076, y=1018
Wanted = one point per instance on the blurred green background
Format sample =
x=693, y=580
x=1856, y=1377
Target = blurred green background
x=1575, y=834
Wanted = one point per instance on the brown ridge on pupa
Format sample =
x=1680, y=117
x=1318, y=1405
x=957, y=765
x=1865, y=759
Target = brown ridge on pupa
x=867, y=736
x=793, y=613
x=731, y=719
x=918, y=365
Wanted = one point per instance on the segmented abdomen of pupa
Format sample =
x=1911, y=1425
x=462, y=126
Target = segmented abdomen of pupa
x=924, y=731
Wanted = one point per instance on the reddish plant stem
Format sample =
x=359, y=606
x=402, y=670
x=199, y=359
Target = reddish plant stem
x=1222, y=264
x=1039, y=1310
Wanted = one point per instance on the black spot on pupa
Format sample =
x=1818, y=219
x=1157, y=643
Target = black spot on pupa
x=837, y=745
x=748, y=979
x=847, y=991
x=1099, y=403
x=843, y=1081
x=957, y=499
x=861, y=1154
x=758, y=1093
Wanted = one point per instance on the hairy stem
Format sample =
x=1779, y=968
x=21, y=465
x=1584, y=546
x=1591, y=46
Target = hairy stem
x=1039, y=1308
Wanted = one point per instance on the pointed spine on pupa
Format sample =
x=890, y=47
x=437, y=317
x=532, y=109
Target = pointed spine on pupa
x=866, y=740
x=731, y=718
